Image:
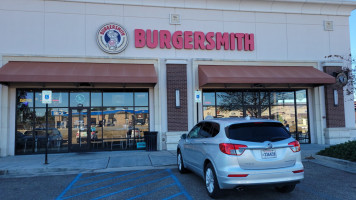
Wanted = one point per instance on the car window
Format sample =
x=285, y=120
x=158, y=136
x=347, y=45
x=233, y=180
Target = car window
x=194, y=133
x=257, y=132
x=215, y=129
x=205, y=131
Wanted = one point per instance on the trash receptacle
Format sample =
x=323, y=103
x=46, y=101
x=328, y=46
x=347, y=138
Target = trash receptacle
x=151, y=140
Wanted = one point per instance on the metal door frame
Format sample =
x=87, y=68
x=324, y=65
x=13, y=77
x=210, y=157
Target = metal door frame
x=70, y=130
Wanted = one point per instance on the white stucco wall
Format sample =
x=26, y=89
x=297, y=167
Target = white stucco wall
x=290, y=31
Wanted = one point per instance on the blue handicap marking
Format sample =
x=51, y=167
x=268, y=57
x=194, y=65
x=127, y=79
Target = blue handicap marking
x=46, y=96
x=198, y=96
x=77, y=188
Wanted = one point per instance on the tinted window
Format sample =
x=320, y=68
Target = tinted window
x=205, y=131
x=215, y=129
x=257, y=132
x=194, y=133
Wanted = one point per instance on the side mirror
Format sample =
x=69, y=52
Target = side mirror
x=184, y=136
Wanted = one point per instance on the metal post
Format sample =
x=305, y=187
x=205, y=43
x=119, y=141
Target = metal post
x=197, y=112
x=46, y=157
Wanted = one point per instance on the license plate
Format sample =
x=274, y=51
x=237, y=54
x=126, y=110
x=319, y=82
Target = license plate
x=269, y=153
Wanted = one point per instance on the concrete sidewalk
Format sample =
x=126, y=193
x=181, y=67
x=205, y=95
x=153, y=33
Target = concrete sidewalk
x=89, y=162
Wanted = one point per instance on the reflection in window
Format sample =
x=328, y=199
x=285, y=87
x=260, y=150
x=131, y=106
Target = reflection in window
x=110, y=122
x=118, y=98
x=288, y=107
x=251, y=98
x=141, y=99
x=96, y=99
x=209, y=98
x=79, y=99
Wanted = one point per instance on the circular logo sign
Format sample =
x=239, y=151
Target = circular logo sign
x=112, y=38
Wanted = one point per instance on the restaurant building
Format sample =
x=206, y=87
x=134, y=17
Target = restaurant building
x=113, y=70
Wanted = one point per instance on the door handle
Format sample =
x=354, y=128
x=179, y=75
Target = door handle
x=204, y=143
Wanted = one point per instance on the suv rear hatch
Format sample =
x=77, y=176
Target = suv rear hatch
x=267, y=145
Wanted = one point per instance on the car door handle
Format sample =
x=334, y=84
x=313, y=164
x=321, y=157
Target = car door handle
x=204, y=143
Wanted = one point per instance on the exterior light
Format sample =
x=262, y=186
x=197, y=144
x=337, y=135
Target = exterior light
x=177, y=99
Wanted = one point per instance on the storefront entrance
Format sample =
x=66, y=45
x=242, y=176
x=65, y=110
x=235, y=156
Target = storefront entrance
x=82, y=120
x=79, y=132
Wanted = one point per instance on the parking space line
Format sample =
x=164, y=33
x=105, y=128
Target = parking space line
x=97, y=175
x=175, y=195
x=107, y=179
x=133, y=187
x=152, y=191
x=68, y=187
x=181, y=187
x=121, y=182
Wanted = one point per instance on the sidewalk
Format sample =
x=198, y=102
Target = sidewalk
x=91, y=162
x=87, y=162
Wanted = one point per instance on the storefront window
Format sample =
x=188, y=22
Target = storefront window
x=288, y=107
x=96, y=99
x=141, y=99
x=108, y=127
x=118, y=98
x=79, y=99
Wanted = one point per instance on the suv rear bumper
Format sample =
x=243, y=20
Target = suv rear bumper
x=261, y=177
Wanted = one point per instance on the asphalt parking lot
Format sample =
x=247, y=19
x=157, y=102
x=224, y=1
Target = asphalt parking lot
x=320, y=183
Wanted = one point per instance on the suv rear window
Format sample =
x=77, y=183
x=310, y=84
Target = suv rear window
x=257, y=132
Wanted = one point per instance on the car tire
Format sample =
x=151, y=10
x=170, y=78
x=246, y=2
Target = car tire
x=180, y=163
x=286, y=188
x=211, y=182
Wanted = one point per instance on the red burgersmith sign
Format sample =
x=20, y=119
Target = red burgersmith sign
x=194, y=40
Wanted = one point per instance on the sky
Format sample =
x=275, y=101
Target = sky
x=353, y=40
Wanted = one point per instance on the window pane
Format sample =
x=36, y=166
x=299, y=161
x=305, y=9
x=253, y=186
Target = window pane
x=286, y=115
x=24, y=98
x=96, y=122
x=96, y=99
x=79, y=99
x=226, y=99
x=236, y=111
x=142, y=119
x=282, y=98
x=251, y=98
x=141, y=99
x=118, y=98
x=264, y=98
x=24, y=123
x=208, y=98
x=301, y=97
x=209, y=111
x=302, y=116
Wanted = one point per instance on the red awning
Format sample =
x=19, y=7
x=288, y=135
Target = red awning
x=71, y=72
x=266, y=75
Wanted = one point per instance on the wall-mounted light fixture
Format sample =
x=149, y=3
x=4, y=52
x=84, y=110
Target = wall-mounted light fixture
x=336, y=98
x=177, y=99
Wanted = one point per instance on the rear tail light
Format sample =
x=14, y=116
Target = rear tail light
x=295, y=146
x=298, y=171
x=232, y=149
x=237, y=175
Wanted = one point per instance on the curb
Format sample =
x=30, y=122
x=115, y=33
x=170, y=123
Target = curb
x=335, y=163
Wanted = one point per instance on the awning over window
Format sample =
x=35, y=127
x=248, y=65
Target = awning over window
x=71, y=72
x=262, y=75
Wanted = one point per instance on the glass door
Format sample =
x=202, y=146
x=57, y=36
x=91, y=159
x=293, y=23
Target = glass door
x=79, y=129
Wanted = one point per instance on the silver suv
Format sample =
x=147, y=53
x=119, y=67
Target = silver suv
x=233, y=153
